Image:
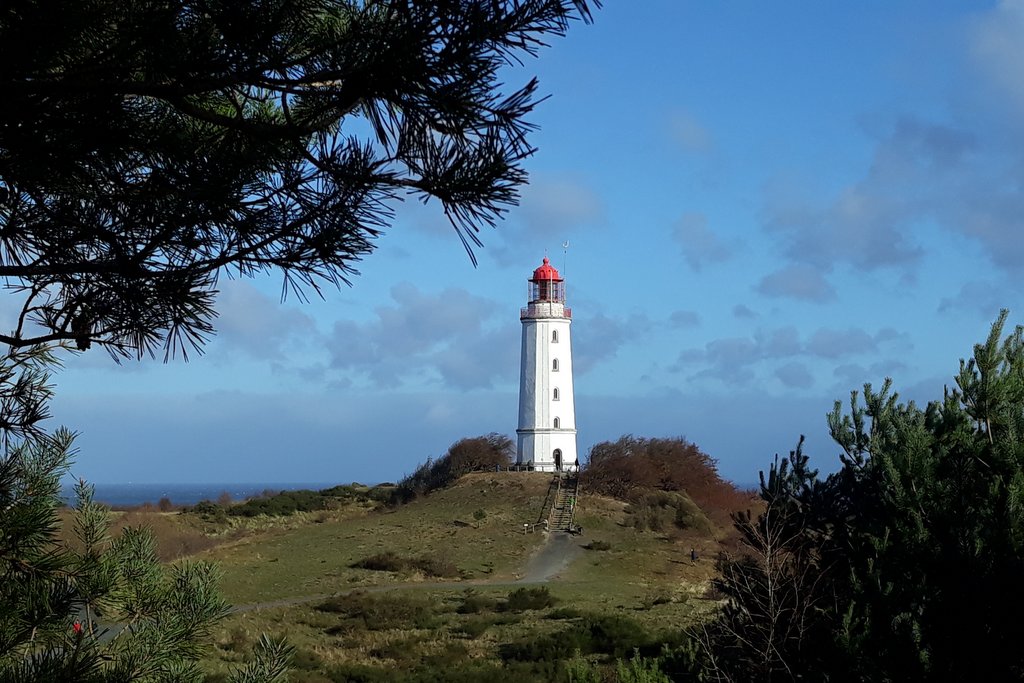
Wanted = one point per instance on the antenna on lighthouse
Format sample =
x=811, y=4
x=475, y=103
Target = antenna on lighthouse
x=565, y=259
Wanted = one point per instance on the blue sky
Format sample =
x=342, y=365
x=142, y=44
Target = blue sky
x=767, y=205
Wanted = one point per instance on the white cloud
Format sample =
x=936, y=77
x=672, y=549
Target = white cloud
x=700, y=245
x=917, y=176
x=453, y=337
x=604, y=337
x=798, y=281
x=688, y=132
x=682, y=319
x=736, y=359
x=255, y=324
x=743, y=312
x=554, y=207
x=795, y=375
x=997, y=48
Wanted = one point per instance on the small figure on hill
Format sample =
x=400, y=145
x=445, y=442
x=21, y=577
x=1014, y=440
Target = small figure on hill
x=693, y=556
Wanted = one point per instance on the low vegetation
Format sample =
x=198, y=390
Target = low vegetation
x=632, y=467
x=493, y=452
x=391, y=562
x=286, y=503
x=906, y=564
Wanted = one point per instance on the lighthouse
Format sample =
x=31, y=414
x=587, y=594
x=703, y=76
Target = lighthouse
x=547, y=408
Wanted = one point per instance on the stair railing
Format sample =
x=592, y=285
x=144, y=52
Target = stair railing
x=554, y=502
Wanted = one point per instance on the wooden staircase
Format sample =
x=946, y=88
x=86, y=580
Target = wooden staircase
x=563, y=510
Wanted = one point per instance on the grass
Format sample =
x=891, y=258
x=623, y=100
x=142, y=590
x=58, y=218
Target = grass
x=429, y=587
x=441, y=529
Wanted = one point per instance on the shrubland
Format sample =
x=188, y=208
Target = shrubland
x=905, y=564
x=643, y=470
x=492, y=452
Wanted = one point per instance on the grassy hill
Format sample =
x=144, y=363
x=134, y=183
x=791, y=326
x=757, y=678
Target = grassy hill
x=397, y=593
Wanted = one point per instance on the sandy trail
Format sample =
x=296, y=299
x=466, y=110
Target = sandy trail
x=554, y=557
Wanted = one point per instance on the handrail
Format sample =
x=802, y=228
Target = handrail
x=558, y=490
x=576, y=498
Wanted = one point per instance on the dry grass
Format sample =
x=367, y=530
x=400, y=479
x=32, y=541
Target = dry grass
x=176, y=536
x=442, y=527
x=401, y=620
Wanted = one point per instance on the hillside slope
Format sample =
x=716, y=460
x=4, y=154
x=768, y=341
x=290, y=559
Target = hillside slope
x=469, y=532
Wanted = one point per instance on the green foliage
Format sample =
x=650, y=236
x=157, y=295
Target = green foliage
x=613, y=635
x=375, y=612
x=640, y=670
x=207, y=511
x=662, y=511
x=905, y=564
x=458, y=671
x=281, y=504
x=392, y=562
x=522, y=599
x=481, y=453
x=137, y=620
x=285, y=503
x=269, y=665
x=580, y=670
x=474, y=603
x=148, y=149
x=632, y=466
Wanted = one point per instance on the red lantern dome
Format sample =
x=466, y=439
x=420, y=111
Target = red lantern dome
x=546, y=272
x=547, y=285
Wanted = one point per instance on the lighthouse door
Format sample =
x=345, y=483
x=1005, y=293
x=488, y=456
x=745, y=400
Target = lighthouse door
x=558, y=459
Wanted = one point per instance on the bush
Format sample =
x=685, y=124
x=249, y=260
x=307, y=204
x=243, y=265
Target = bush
x=473, y=628
x=481, y=453
x=474, y=603
x=660, y=511
x=381, y=612
x=283, y=504
x=286, y=503
x=616, y=636
x=620, y=468
x=207, y=511
x=522, y=599
x=391, y=562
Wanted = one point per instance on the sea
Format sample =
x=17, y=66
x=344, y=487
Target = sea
x=125, y=495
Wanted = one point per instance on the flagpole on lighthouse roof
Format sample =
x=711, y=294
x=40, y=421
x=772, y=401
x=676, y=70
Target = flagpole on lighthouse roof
x=565, y=261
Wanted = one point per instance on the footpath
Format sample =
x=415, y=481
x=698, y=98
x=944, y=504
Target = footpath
x=551, y=559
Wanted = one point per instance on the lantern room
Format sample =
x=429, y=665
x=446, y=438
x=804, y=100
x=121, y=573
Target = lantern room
x=546, y=285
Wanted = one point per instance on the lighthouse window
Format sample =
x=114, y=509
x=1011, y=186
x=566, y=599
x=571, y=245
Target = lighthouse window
x=555, y=397
x=558, y=423
x=554, y=365
x=554, y=336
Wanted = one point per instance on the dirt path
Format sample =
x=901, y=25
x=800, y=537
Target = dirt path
x=554, y=556
x=557, y=553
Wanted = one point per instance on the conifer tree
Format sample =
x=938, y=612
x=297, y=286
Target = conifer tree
x=149, y=146
x=903, y=566
x=106, y=610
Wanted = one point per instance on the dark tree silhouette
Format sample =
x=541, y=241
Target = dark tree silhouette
x=905, y=564
x=149, y=147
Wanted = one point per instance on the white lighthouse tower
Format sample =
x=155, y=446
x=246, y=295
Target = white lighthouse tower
x=547, y=409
